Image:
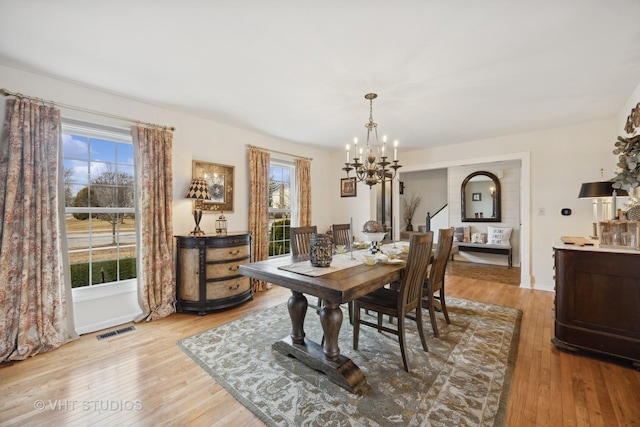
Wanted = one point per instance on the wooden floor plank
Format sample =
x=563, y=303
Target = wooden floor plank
x=549, y=387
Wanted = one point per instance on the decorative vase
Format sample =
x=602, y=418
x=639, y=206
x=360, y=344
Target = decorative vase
x=321, y=248
x=409, y=226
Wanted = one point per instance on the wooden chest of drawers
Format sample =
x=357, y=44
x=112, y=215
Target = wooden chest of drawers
x=207, y=272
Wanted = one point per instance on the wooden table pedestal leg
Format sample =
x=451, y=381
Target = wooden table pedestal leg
x=327, y=359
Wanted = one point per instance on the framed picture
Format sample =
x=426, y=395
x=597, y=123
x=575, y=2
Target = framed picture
x=476, y=197
x=219, y=179
x=348, y=187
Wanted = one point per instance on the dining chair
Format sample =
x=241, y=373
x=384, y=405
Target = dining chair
x=341, y=234
x=301, y=244
x=398, y=303
x=301, y=239
x=433, y=287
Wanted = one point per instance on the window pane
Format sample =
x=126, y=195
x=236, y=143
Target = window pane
x=75, y=147
x=102, y=150
x=125, y=155
x=280, y=208
x=127, y=248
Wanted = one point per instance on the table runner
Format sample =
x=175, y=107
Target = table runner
x=338, y=262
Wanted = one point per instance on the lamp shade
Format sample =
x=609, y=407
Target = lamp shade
x=599, y=189
x=198, y=190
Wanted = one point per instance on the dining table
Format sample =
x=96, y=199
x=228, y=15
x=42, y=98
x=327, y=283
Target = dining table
x=346, y=279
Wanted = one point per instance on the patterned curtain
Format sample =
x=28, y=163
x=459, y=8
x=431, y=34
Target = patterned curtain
x=303, y=191
x=33, y=297
x=154, y=189
x=259, y=164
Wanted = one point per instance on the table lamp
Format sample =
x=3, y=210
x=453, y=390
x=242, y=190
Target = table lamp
x=198, y=190
x=602, y=193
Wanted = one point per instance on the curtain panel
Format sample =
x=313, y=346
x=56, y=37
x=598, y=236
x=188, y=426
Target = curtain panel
x=303, y=191
x=259, y=165
x=34, y=315
x=154, y=196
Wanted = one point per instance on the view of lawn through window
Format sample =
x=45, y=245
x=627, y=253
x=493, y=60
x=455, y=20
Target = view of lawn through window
x=280, y=208
x=99, y=204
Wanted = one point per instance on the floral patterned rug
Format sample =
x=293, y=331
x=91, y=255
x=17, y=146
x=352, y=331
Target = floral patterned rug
x=463, y=380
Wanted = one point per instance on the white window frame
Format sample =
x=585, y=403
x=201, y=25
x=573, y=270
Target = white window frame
x=120, y=135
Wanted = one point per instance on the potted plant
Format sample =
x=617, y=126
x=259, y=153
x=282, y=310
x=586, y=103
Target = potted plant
x=628, y=173
x=410, y=206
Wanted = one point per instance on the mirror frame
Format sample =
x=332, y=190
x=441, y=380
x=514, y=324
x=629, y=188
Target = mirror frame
x=497, y=201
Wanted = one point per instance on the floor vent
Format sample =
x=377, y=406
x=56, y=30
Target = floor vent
x=114, y=333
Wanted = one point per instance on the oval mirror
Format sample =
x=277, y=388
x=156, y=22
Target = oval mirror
x=480, y=195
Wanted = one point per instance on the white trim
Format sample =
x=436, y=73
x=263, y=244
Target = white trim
x=98, y=326
x=87, y=293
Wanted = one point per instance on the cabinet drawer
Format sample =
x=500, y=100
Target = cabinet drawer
x=227, y=288
x=227, y=269
x=222, y=254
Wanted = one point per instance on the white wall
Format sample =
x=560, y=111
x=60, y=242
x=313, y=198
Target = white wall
x=194, y=138
x=432, y=186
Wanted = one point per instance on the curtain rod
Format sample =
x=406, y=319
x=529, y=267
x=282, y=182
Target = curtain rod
x=279, y=152
x=6, y=92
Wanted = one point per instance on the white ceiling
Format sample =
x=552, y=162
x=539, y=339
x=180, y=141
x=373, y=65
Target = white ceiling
x=445, y=71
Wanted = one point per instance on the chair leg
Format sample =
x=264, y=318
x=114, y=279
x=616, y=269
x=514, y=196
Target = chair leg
x=443, y=306
x=403, y=342
x=379, y=322
x=432, y=316
x=420, y=328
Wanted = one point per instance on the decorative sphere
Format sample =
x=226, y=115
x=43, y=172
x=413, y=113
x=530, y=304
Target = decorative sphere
x=373, y=227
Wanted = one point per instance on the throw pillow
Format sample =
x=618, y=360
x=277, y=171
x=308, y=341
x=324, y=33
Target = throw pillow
x=499, y=235
x=458, y=234
x=478, y=238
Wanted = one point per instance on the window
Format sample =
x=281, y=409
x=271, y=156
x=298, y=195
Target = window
x=99, y=203
x=281, y=207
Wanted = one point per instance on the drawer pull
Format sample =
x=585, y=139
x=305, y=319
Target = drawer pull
x=234, y=268
x=231, y=288
x=236, y=252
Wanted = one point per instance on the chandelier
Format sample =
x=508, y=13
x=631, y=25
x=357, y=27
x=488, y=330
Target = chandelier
x=366, y=168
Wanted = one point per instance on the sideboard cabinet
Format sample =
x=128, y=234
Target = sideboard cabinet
x=597, y=304
x=208, y=272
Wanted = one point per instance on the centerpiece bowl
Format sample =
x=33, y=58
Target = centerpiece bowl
x=375, y=238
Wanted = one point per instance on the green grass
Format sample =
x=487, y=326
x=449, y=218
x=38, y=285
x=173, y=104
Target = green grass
x=80, y=272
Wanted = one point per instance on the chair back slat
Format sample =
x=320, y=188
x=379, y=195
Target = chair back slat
x=418, y=260
x=443, y=252
x=341, y=234
x=301, y=239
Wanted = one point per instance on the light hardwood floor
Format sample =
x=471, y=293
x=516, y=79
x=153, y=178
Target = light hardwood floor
x=142, y=377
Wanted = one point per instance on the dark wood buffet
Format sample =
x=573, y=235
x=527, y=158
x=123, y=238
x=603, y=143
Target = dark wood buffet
x=208, y=272
x=597, y=304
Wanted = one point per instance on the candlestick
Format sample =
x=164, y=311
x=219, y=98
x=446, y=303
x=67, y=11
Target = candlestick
x=395, y=150
x=351, y=236
x=347, y=153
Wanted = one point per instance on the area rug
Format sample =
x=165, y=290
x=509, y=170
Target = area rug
x=463, y=380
